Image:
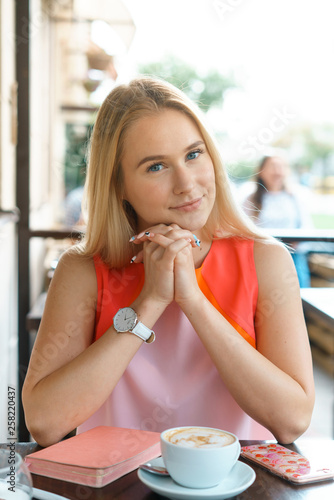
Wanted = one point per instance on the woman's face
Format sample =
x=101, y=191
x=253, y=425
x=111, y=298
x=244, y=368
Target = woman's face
x=168, y=173
x=274, y=173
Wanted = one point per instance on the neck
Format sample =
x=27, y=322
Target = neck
x=201, y=252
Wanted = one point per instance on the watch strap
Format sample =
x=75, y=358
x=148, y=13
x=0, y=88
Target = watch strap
x=143, y=332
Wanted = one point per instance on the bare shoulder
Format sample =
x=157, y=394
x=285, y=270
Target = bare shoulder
x=271, y=249
x=75, y=271
x=75, y=261
x=72, y=295
x=274, y=266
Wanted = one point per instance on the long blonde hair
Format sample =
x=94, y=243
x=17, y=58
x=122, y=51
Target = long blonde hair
x=111, y=221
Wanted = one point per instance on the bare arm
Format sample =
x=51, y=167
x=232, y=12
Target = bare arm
x=69, y=377
x=273, y=383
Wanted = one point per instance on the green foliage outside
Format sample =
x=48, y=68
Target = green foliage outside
x=323, y=221
x=206, y=89
x=75, y=154
x=315, y=145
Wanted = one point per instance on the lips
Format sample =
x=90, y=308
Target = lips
x=189, y=205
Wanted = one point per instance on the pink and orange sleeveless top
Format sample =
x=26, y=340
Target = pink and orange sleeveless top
x=173, y=382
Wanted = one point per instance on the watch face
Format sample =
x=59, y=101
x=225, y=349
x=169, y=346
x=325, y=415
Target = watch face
x=125, y=319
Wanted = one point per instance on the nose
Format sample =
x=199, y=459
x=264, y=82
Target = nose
x=279, y=171
x=183, y=180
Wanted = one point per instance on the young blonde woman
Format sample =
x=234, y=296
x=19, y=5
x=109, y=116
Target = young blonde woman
x=168, y=256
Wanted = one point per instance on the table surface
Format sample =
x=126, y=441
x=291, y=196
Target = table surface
x=266, y=485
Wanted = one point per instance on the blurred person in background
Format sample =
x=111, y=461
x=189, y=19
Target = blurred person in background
x=274, y=206
x=73, y=202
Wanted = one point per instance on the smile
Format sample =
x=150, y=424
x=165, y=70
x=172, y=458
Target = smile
x=189, y=206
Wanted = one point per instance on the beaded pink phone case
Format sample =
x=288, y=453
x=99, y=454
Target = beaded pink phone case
x=285, y=463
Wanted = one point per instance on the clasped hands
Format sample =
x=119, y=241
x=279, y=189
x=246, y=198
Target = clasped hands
x=168, y=261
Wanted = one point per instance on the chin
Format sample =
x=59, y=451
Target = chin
x=195, y=226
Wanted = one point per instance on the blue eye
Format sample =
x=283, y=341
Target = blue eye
x=155, y=168
x=194, y=154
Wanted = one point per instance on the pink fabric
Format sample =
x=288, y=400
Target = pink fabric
x=173, y=381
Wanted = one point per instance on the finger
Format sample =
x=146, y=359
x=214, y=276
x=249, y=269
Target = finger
x=165, y=240
x=139, y=257
x=166, y=255
x=139, y=238
x=173, y=231
x=177, y=248
x=178, y=232
x=158, y=229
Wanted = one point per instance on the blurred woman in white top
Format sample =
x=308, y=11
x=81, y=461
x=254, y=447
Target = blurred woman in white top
x=274, y=206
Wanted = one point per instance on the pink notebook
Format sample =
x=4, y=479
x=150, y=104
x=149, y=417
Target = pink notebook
x=96, y=457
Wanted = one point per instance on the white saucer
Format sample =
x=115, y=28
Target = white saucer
x=240, y=478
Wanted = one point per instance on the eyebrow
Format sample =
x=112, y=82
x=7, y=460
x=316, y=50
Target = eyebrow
x=163, y=157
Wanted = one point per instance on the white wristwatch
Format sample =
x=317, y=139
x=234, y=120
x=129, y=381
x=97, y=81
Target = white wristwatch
x=126, y=320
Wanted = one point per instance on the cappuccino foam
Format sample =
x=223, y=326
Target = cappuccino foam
x=196, y=437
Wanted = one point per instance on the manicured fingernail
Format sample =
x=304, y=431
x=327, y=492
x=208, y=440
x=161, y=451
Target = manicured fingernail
x=147, y=233
x=140, y=235
x=132, y=238
x=197, y=241
x=133, y=259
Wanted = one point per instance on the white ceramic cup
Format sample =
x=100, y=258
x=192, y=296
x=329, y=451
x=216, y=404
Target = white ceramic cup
x=199, y=457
